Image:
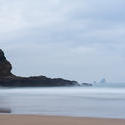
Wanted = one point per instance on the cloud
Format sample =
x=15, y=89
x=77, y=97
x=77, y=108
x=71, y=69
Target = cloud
x=80, y=40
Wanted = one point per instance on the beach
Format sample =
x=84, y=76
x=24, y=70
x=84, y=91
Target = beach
x=55, y=120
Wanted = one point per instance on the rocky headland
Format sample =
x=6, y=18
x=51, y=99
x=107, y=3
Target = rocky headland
x=7, y=79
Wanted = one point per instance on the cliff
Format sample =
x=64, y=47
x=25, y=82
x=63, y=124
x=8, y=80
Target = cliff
x=7, y=79
x=5, y=66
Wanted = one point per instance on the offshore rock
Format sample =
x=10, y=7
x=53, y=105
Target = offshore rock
x=7, y=79
x=86, y=84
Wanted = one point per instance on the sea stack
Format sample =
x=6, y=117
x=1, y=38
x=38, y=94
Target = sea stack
x=7, y=79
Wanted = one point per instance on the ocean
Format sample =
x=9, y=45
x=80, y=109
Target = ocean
x=103, y=102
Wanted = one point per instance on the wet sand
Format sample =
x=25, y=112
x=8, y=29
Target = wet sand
x=55, y=120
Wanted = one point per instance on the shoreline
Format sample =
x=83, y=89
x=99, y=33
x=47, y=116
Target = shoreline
x=10, y=119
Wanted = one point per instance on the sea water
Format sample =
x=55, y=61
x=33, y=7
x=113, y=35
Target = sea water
x=105, y=102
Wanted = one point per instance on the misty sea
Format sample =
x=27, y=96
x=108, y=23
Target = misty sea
x=104, y=102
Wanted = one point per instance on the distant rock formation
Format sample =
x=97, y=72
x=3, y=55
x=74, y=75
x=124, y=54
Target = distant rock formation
x=103, y=80
x=7, y=79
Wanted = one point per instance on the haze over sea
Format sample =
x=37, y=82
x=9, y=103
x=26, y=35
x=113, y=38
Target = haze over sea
x=97, y=101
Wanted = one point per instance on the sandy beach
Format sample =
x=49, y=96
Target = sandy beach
x=53, y=120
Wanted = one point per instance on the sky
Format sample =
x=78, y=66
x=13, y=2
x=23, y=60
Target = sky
x=82, y=40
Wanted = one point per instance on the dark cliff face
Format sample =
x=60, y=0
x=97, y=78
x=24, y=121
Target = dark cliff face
x=5, y=66
x=7, y=79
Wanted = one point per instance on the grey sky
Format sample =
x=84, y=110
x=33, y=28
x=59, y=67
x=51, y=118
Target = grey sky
x=75, y=39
